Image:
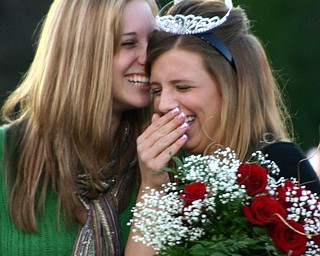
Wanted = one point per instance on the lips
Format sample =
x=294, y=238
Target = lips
x=138, y=80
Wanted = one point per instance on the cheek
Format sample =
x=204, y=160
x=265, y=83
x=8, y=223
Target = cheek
x=156, y=101
x=213, y=113
x=211, y=123
x=115, y=70
x=122, y=60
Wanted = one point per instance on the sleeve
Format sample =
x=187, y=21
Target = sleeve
x=293, y=162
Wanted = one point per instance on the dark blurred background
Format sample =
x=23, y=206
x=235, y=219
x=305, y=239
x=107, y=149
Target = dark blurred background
x=289, y=29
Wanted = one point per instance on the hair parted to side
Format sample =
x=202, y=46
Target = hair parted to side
x=65, y=104
x=252, y=104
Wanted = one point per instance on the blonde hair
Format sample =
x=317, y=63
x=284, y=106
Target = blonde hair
x=65, y=105
x=253, y=112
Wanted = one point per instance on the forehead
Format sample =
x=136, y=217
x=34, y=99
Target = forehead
x=138, y=16
x=187, y=62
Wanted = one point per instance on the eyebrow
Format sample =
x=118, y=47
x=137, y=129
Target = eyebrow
x=129, y=34
x=172, y=82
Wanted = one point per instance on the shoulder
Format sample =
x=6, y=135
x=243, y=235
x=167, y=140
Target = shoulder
x=286, y=154
x=3, y=130
x=293, y=162
x=6, y=144
x=3, y=137
x=282, y=148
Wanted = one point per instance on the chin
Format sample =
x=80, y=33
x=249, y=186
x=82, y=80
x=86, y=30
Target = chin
x=192, y=149
x=142, y=104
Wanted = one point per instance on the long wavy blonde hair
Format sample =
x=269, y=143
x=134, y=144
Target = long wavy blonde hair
x=65, y=107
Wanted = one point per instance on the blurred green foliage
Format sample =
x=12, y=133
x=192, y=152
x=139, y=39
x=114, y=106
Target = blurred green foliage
x=289, y=29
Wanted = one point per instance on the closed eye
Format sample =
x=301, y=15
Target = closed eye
x=155, y=91
x=129, y=43
x=183, y=87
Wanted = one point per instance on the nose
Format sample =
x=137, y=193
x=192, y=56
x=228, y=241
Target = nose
x=142, y=53
x=166, y=101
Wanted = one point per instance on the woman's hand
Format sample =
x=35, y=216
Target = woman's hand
x=159, y=142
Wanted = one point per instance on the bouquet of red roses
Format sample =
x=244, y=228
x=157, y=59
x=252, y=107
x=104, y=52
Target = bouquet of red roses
x=219, y=206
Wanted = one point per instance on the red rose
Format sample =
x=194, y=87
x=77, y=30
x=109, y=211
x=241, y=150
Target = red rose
x=193, y=192
x=262, y=210
x=287, y=239
x=282, y=191
x=294, y=192
x=316, y=239
x=254, y=177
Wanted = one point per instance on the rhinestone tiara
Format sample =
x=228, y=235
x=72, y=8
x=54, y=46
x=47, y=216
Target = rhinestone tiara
x=190, y=24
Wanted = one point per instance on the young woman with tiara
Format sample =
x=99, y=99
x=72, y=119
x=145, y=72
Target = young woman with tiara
x=206, y=64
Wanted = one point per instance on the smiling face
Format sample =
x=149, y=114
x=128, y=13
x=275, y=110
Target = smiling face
x=130, y=85
x=178, y=78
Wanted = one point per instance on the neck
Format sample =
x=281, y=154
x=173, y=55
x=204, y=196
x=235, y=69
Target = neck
x=115, y=122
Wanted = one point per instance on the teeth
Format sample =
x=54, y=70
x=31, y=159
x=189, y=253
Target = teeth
x=138, y=79
x=189, y=119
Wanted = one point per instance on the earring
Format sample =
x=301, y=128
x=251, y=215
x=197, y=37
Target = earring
x=213, y=146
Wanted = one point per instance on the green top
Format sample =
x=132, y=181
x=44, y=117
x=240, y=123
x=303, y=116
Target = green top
x=49, y=240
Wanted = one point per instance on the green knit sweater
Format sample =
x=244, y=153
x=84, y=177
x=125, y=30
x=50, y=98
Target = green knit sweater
x=49, y=240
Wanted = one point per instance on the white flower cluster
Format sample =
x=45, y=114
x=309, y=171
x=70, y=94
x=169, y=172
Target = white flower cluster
x=160, y=219
x=270, y=165
x=305, y=207
x=217, y=171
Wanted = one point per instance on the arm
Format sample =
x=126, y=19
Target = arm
x=161, y=140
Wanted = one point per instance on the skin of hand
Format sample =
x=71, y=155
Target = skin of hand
x=156, y=146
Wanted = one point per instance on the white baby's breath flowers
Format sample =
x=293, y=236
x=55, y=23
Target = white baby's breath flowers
x=156, y=219
x=305, y=207
x=163, y=219
x=160, y=218
x=217, y=171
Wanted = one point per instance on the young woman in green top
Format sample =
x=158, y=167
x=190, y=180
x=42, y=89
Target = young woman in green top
x=68, y=168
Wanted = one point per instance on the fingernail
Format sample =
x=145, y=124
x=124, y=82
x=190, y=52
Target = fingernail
x=175, y=110
x=181, y=116
x=184, y=137
x=184, y=125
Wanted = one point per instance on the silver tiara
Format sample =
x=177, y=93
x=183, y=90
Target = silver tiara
x=191, y=24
